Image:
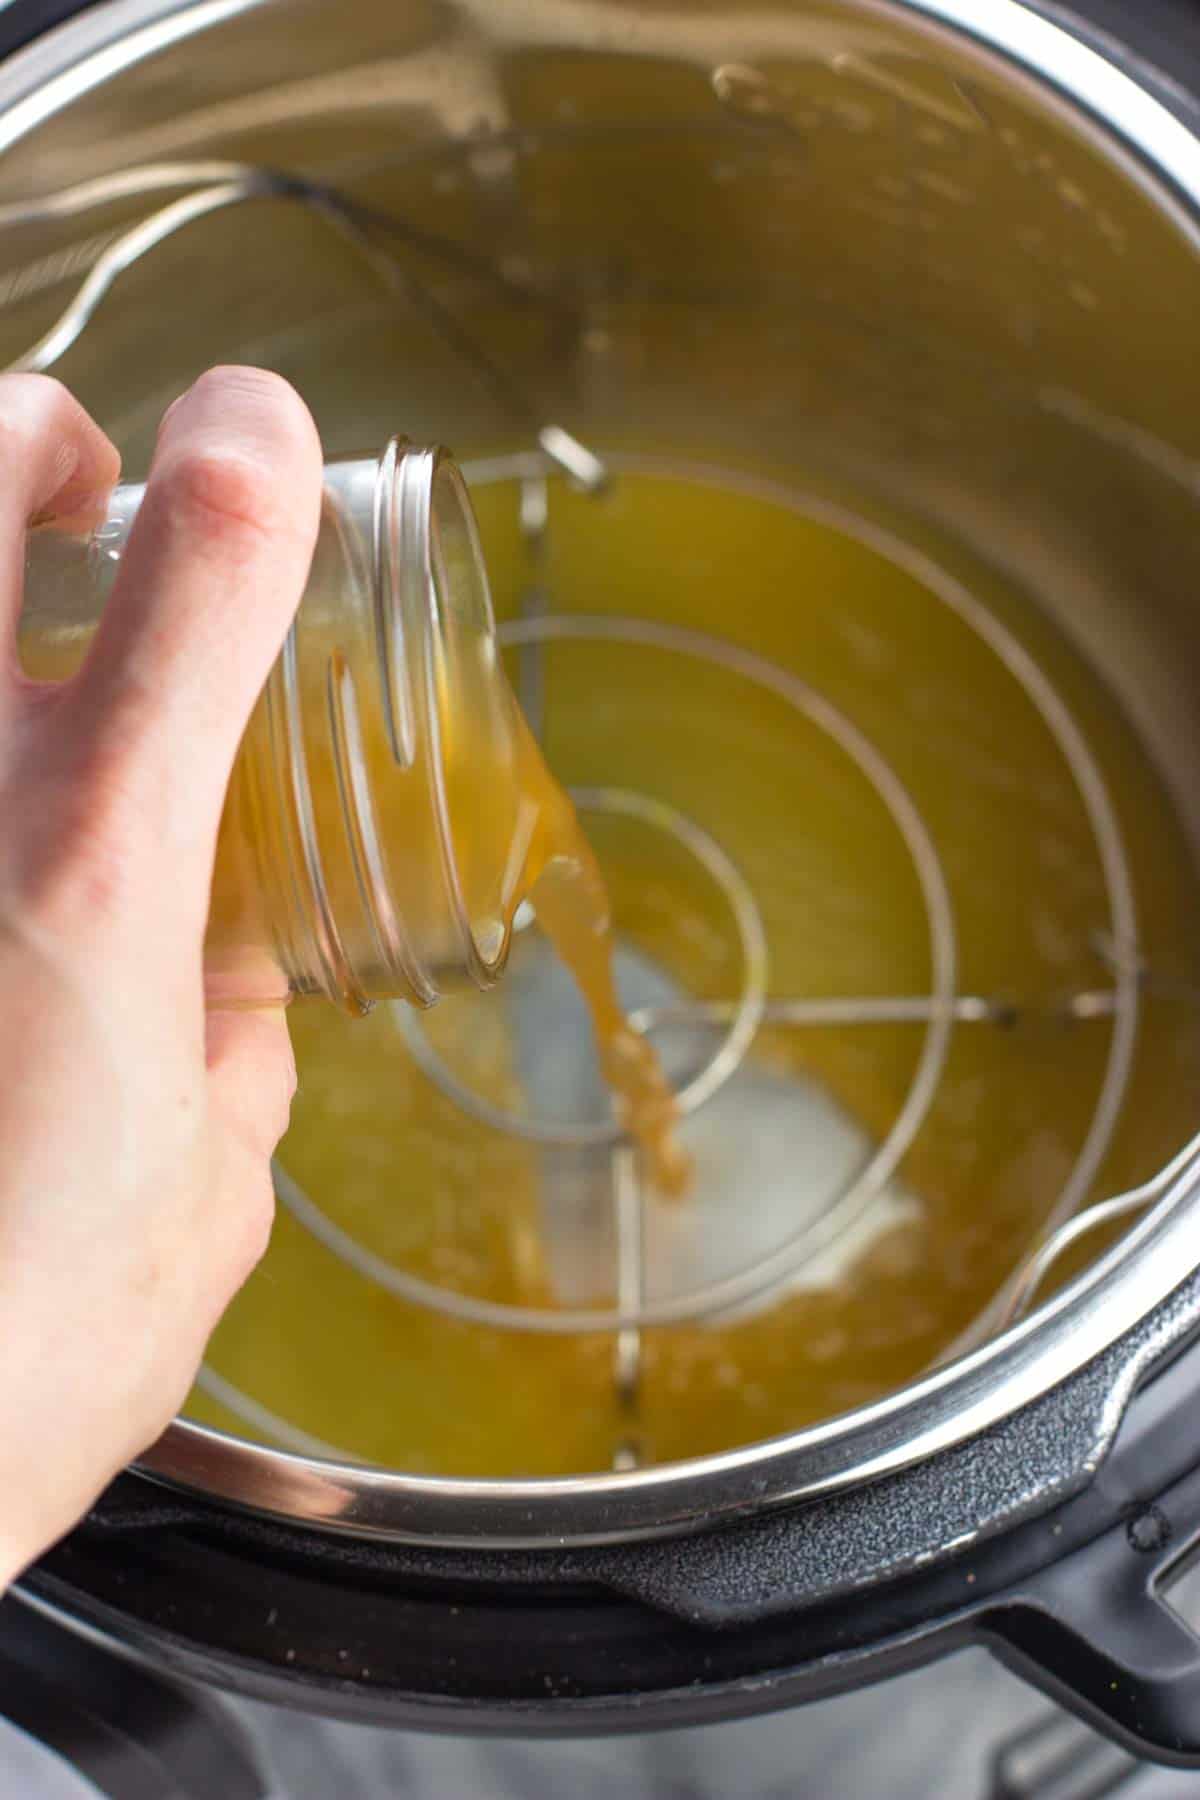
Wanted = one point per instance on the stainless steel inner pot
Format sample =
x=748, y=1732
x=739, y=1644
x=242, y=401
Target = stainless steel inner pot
x=946, y=251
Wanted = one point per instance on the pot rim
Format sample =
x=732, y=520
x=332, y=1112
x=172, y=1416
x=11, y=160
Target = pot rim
x=954, y=1402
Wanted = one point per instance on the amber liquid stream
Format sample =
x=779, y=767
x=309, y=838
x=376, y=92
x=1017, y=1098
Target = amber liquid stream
x=556, y=872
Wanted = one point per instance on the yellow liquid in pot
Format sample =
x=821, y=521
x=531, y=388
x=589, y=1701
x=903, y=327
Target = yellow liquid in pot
x=403, y=1171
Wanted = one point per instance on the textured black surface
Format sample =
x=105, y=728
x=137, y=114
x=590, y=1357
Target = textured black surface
x=826, y=1550
x=975, y=1490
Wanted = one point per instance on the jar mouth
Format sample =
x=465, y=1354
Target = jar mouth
x=386, y=714
x=445, y=698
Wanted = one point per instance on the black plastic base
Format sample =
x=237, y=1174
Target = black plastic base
x=132, y=1736
x=562, y=1642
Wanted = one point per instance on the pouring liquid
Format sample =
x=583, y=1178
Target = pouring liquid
x=567, y=892
x=516, y=834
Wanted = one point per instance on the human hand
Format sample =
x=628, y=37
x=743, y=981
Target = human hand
x=136, y=1129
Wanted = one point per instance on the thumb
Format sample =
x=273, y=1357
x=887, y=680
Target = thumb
x=208, y=585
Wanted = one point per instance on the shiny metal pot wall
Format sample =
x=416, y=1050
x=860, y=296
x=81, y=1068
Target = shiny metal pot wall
x=944, y=250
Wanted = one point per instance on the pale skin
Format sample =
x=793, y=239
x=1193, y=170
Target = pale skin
x=137, y=1126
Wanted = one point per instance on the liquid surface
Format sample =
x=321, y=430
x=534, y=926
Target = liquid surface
x=391, y=1176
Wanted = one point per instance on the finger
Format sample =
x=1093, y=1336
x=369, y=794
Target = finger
x=251, y=1075
x=238, y=1222
x=208, y=585
x=54, y=458
x=251, y=1081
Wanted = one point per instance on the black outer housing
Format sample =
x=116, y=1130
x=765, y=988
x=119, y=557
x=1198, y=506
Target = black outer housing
x=132, y=1735
x=767, y=1613
x=1058, y=1569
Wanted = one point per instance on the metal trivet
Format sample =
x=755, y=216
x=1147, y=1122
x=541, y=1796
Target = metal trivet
x=729, y=1025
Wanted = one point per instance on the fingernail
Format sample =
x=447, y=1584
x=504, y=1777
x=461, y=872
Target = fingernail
x=74, y=511
x=175, y=404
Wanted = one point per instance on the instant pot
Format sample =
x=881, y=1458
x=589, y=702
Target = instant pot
x=1040, y=1491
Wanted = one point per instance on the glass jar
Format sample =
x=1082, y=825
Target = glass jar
x=367, y=844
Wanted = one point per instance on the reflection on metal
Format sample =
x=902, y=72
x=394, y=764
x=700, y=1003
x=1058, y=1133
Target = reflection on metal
x=885, y=1009
x=261, y=1419
x=1022, y=1291
x=535, y=602
x=370, y=231
x=627, y=1357
x=1058, y=1757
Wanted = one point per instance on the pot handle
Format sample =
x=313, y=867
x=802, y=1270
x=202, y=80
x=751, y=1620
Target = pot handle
x=131, y=1734
x=1097, y=1632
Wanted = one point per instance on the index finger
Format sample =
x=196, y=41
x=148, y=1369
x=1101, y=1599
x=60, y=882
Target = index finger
x=53, y=457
